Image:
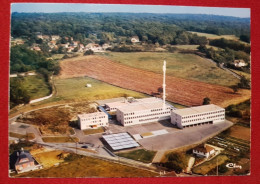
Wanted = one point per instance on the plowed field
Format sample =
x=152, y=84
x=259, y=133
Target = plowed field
x=182, y=91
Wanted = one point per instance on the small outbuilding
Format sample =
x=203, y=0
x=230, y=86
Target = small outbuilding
x=88, y=85
x=203, y=150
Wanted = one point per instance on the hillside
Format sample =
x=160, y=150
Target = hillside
x=182, y=91
x=186, y=66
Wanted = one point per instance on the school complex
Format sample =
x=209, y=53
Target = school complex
x=139, y=111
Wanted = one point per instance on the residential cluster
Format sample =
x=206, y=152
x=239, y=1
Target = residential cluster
x=69, y=46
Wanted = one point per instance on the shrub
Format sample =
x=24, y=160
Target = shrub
x=88, y=52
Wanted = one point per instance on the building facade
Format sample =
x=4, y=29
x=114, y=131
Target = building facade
x=92, y=120
x=24, y=161
x=143, y=111
x=206, y=114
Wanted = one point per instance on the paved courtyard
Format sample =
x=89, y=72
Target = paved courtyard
x=184, y=137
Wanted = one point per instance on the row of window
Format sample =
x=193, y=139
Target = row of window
x=146, y=115
x=87, y=119
x=154, y=110
x=90, y=122
x=208, y=113
x=140, y=120
x=127, y=114
x=221, y=115
x=127, y=122
x=198, y=124
x=199, y=119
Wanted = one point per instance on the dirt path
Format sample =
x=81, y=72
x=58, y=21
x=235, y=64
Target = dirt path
x=182, y=91
x=190, y=164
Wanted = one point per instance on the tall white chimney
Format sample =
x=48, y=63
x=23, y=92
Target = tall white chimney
x=164, y=85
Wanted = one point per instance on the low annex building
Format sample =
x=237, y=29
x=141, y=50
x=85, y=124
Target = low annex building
x=92, y=120
x=143, y=111
x=203, y=151
x=206, y=114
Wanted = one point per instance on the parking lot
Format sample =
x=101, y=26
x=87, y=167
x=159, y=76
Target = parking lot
x=116, y=127
x=187, y=136
x=174, y=138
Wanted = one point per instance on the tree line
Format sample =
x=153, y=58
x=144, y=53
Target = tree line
x=118, y=27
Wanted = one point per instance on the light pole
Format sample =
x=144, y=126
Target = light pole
x=217, y=165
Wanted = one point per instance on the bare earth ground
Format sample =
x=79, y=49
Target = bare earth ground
x=240, y=132
x=182, y=91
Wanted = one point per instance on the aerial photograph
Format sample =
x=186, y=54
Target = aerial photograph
x=112, y=91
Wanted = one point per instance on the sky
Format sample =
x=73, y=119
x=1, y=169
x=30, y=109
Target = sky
x=66, y=7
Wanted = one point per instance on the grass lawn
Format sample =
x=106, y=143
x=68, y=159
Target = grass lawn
x=49, y=158
x=205, y=167
x=214, y=36
x=188, y=66
x=89, y=167
x=28, y=136
x=189, y=47
x=59, y=139
x=247, y=75
x=75, y=89
x=93, y=131
x=142, y=155
x=36, y=86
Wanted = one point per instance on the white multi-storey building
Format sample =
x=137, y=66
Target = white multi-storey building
x=143, y=111
x=92, y=120
x=206, y=114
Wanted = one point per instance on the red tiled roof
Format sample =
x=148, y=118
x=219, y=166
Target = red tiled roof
x=204, y=148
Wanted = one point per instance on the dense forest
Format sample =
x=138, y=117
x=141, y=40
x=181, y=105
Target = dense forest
x=115, y=27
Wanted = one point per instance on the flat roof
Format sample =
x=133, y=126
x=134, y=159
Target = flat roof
x=116, y=104
x=120, y=141
x=91, y=115
x=197, y=110
x=137, y=103
x=142, y=106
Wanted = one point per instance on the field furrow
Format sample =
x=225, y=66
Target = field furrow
x=182, y=91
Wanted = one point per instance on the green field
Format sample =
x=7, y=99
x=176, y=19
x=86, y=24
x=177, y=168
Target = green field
x=75, y=89
x=141, y=155
x=189, y=47
x=89, y=167
x=247, y=75
x=36, y=86
x=214, y=36
x=188, y=66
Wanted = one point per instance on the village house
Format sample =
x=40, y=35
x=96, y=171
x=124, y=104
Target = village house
x=22, y=161
x=203, y=150
x=94, y=47
x=36, y=48
x=55, y=37
x=135, y=39
x=239, y=63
